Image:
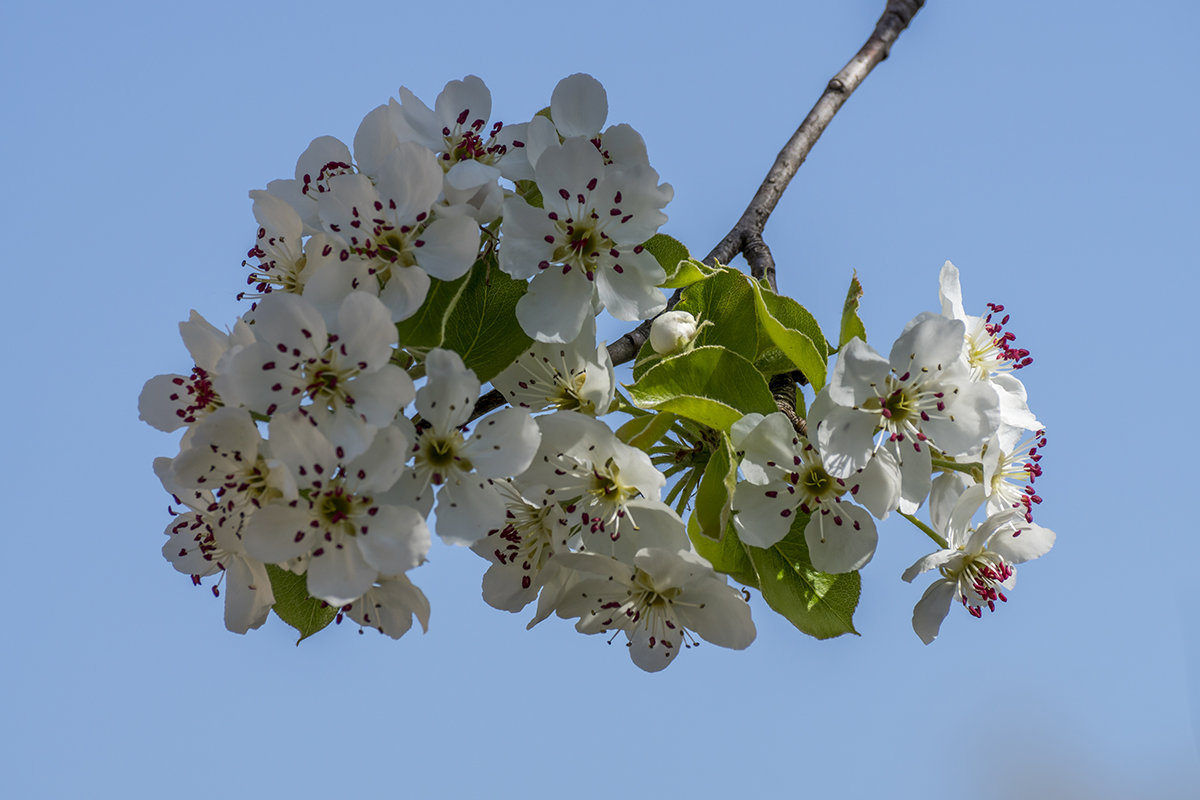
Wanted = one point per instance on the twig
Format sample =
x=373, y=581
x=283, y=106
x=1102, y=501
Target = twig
x=746, y=235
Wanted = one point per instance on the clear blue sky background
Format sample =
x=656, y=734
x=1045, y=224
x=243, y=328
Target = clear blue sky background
x=1048, y=149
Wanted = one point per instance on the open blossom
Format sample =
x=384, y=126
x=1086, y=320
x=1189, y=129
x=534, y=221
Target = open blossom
x=278, y=247
x=350, y=535
x=596, y=474
x=661, y=599
x=169, y=402
x=206, y=540
x=390, y=606
x=460, y=463
x=785, y=475
x=977, y=567
x=473, y=154
x=892, y=411
x=989, y=351
x=564, y=377
x=585, y=242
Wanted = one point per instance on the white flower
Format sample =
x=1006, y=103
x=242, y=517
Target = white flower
x=391, y=243
x=206, y=540
x=672, y=331
x=522, y=551
x=352, y=537
x=977, y=567
x=784, y=473
x=389, y=607
x=895, y=408
x=585, y=241
x=570, y=377
x=169, y=402
x=659, y=600
x=472, y=155
x=989, y=352
x=278, y=247
x=592, y=472
x=324, y=158
x=345, y=373
x=461, y=464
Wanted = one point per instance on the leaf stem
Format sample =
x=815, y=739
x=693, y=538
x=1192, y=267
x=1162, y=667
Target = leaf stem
x=972, y=468
x=928, y=531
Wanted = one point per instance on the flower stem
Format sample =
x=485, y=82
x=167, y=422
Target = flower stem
x=972, y=468
x=930, y=532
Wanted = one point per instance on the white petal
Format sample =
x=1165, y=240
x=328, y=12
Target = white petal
x=248, y=595
x=841, y=538
x=503, y=443
x=579, y=105
x=339, y=574
x=396, y=540
x=556, y=305
x=450, y=247
x=931, y=609
x=467, y=510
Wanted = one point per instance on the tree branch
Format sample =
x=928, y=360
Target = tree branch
x=746, y=235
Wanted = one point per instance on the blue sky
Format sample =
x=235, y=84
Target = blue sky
x=1047, y=149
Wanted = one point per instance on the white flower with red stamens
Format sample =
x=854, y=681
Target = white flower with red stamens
x=391, y=243
x=206, y=540
x=472, y=155
x=920, y=396
x=350, y=536
x=522, y=551
x=458, y=462
x=989, y=351
x=169, y=402
x=1010, y=467
x=591, y=472
x=345, y=374
x=660, y=598
x=389, y=607
x=977, y=567
x=225, y=454
x=324, y=158
x=278, y=247
x=784, y=474
x=567, y=377
x=585, y=242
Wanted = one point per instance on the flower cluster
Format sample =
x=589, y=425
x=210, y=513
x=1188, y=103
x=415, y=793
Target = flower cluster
x=342, y=420
x=319, y=441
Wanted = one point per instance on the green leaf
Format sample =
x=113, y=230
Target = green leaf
x=426, y=329
x=726, y=300
x=794, y=331
x=643, y=432
x=687, y=272
x=715, y=493
x=819, y=604
x=727, y=555
x=668, y=252
x=482, y=326
x=711, y=385
x=852, y=326
x=295, y=606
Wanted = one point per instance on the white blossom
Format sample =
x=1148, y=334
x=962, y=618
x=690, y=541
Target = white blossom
x=570, y=377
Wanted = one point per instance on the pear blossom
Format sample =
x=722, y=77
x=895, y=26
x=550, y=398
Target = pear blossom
x=1010, y=468
x=458, y=463
x=472, y=155
x=324, y=158
x=784, y=474
x=572, y=377
x=585, y=242
x=345, y=373
x=390, y=606
x=169, y=402
x=278, y=247
x=661, y=599
x=989, y=351
x=351, y=537
x=206, y=540
x=226, y=454
x=894, y=410
x=977, y=567
x=594, y=473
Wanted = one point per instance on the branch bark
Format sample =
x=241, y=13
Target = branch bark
x=746, y=235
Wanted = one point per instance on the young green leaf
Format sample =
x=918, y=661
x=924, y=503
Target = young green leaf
x=819, y=604
x=852, y=326
x=726, y=300
x=668, y=252
x=482, y=326
x=711, y=385
x=643, y=432
x=727, y=555
x=715, y=492
x=294, y=606
x=794, y=331
x=426, y=329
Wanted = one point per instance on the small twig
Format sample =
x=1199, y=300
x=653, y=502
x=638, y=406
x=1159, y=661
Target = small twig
x=746, y=235
x=783, y=389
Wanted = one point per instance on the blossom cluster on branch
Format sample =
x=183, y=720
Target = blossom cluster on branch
x=333, y=427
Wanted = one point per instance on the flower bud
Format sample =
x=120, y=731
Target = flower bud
x=672, y=332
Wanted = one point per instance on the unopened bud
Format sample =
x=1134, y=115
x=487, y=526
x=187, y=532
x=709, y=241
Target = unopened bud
x=672, y=332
